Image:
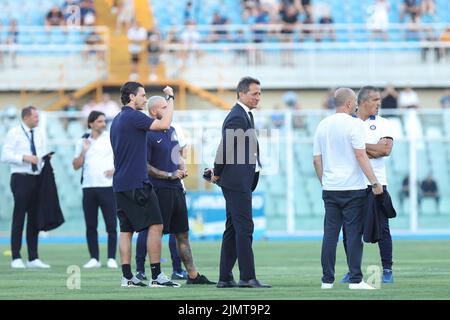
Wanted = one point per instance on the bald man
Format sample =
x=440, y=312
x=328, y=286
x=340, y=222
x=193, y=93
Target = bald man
x=341, y=162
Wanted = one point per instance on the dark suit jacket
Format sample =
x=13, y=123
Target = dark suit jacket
x=49, y=214
x=375, y=207
x=237, y=155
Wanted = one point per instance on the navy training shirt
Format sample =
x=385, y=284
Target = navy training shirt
x=163, y=153
x=128, y=140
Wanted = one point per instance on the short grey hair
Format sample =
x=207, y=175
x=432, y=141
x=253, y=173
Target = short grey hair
x=153, y=101
x=342, y=95
x=364, y=92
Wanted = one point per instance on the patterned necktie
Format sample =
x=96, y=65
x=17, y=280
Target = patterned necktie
x=33, y=150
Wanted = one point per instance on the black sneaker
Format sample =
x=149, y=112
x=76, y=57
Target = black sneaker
x=200, y=279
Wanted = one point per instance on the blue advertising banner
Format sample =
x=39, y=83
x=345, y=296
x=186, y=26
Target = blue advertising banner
x=207, y=215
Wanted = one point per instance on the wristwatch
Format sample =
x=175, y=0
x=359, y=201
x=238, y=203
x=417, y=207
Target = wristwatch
x=170, y=96
x=375, y=184
x=169, y=175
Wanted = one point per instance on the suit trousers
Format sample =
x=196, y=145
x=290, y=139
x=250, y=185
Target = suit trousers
x=25, y=189
x=238, y=236
x=343, y=208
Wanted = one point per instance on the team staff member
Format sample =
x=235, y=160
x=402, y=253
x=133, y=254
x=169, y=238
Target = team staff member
x=379, y=144
x=23, y=150
x=95, y=155
x=165, y=173
x=340, y=161
x=236, y=171
x=137, y=205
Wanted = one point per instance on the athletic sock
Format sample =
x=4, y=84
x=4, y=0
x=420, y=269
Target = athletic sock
x=156, y=270
x=126, y=271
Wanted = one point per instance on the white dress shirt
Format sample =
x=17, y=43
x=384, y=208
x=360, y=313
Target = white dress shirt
x=18, y=143
x=98, y=159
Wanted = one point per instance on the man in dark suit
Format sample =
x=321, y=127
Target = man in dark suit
x=236, y=171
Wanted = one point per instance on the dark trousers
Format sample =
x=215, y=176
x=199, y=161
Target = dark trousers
x=343, y=208
x=141, y=252
x=93, y=198
x=385, y=244
x=238, y=236
x=25, y=191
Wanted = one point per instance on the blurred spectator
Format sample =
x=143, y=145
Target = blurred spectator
x=445, y=100
x=190, y=38
x=414, y=29
x=289, y=18
x=326, y=30
x=428, y=7
x=389, y=98
x=408, y=98
x=109, y=107
x=12, y=37
x=125, y=15
x=404, y=192
x=378, y=22
x=1, y=43
x=54, y=17
x=329, y=102
x=241, y=53
x=93, y=39
x=70, y=108
x=137, y=35
x=277, y=117
x=291, y=101
x=154, y=51
x=410, y=8
x=188, y=12
x=88, y=13
x=429, y=189
x=307, y=7
x=308, y=28
x=445, y=37
x=220, y=34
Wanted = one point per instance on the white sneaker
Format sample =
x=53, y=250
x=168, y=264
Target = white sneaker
x=327, y=285
x=112, y=263
x=17, y=264
x=163, y=282
x=131, y=283
x=93, y=263
x=36, y=263
x=360, y=286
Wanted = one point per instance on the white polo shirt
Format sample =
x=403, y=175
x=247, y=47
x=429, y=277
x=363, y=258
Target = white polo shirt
x=377, y=127
x=335, y=139
x=98, y=159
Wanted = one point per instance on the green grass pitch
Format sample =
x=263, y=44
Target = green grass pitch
x=421, y=271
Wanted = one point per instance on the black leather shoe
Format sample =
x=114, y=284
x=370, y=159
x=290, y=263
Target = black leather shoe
x=227, y=284
x=252, y=283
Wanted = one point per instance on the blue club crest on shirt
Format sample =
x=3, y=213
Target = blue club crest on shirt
x=373, y=127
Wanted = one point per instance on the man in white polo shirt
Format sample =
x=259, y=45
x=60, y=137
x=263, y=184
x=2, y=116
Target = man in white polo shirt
x=379, y=144
x=94, y=155
x=340, y=161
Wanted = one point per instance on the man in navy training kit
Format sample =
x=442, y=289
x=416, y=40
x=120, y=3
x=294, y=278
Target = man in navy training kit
x=137, y=205
x=379, y=144
x=166, y=169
